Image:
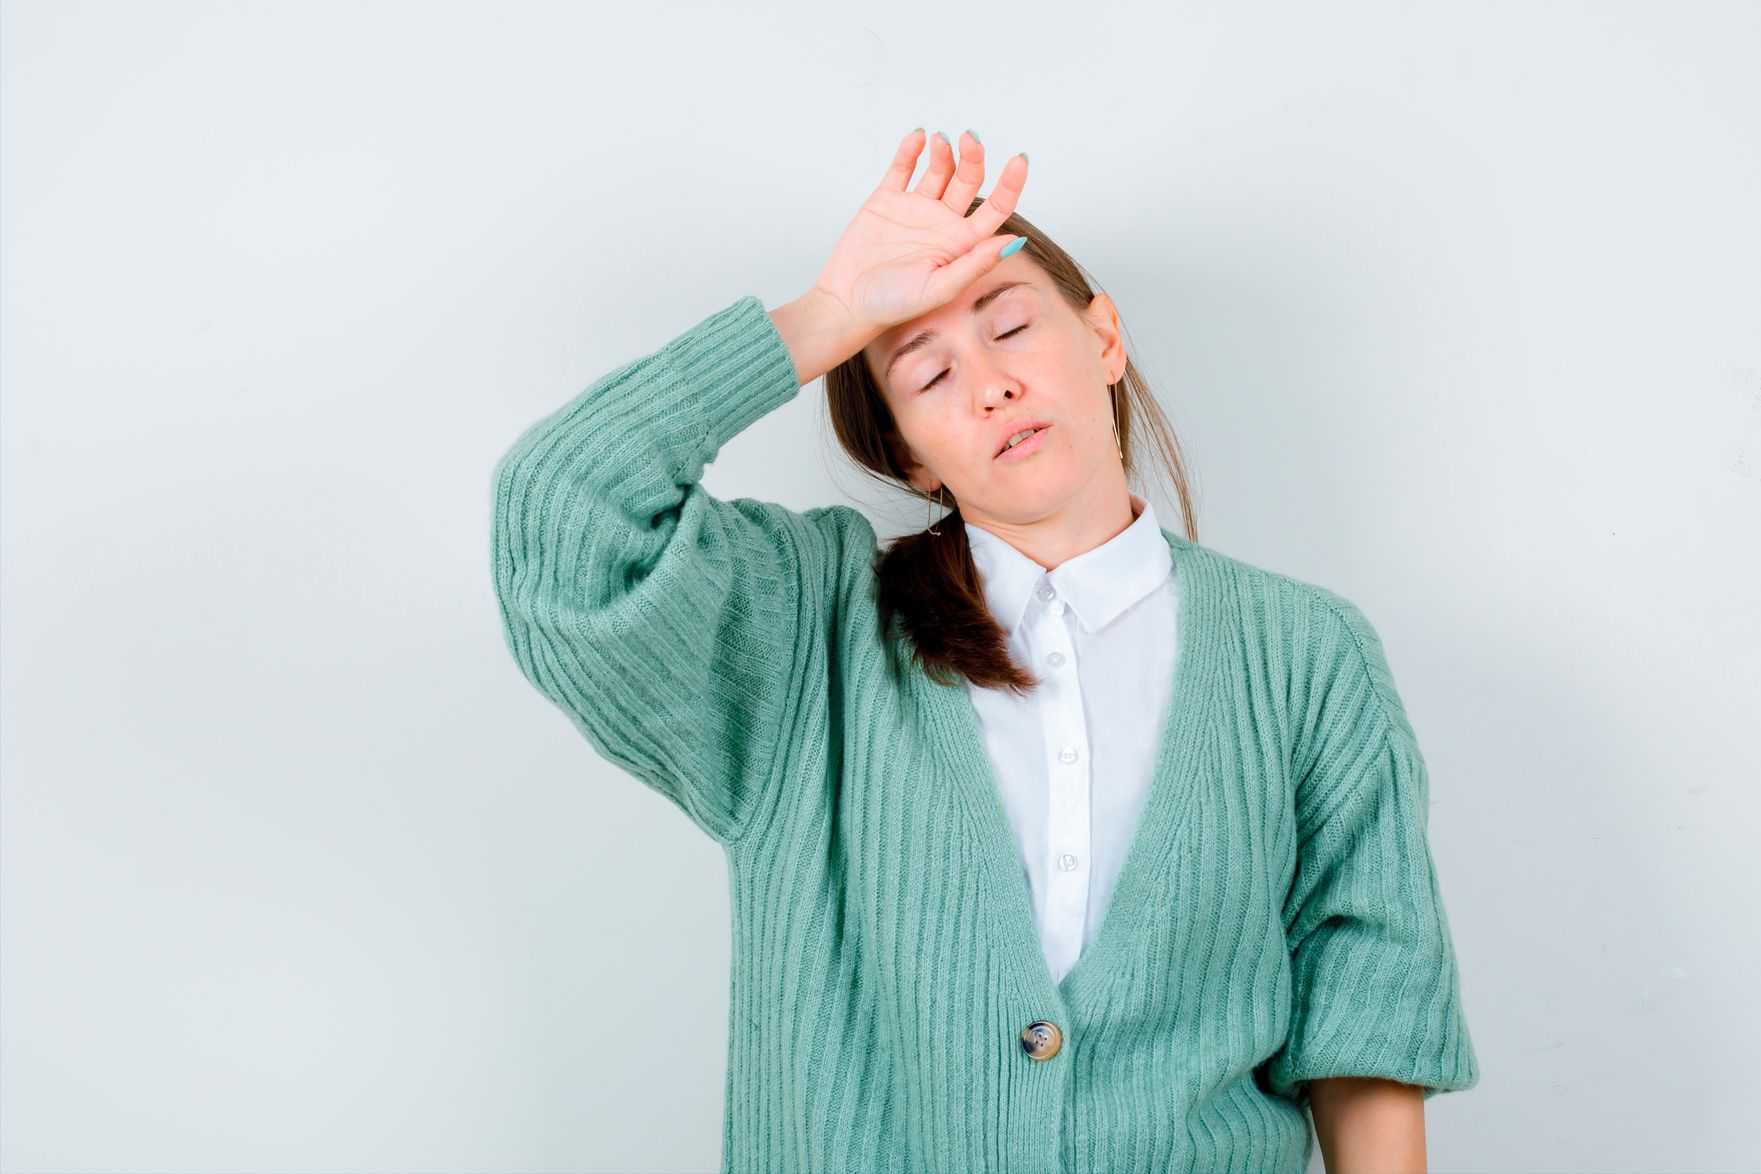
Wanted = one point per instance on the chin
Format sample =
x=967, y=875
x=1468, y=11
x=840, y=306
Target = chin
x=1034, y=490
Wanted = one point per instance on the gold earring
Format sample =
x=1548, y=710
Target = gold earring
x=932, y=528
x=1116, y=443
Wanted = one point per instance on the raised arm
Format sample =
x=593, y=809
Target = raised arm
x=669, y=625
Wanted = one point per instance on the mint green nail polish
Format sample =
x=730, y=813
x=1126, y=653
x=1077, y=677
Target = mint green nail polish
x=1012, y=246
x=975, y=137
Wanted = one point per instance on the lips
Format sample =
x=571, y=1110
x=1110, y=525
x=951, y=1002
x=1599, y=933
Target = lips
x=1003, y=444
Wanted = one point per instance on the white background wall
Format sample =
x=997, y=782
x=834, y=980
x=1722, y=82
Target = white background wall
x=1455, y=307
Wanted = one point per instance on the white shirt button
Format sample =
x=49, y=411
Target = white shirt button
x=1067, y=862
x=1046, y=591
x=1055, y=659
x=1056, y=607
x=1068, y=754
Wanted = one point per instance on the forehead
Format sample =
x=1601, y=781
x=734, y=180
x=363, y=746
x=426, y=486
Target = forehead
x=976, y=299
x=973, y=300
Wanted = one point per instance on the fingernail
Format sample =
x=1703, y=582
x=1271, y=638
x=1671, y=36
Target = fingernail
x=945, y=139
x=1011, y=247
x=975, y=137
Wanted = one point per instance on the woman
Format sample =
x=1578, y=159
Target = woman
x=940, y=960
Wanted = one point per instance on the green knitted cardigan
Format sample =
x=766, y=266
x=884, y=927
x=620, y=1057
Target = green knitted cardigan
x=1278, y=916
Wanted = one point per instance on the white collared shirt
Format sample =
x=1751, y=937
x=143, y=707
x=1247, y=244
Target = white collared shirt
x=1074, y=758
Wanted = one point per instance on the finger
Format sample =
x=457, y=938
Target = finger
x=968, y=177
x=1000, y=204
x=941, y=166
x=904, y=161
x=947, y=282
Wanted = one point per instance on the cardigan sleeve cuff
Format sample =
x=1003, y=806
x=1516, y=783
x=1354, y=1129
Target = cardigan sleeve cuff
x=734, y=367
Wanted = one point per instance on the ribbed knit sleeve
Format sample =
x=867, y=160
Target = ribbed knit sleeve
x=668, y=625
x=1377, y=988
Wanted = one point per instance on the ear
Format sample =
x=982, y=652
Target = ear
x=1103, y=319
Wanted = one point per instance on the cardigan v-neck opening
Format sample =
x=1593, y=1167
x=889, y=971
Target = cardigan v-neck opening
x=1185, y=724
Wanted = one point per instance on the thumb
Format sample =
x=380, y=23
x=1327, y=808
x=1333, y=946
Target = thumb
x=971, y=265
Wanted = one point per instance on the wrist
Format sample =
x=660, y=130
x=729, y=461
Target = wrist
x=820, y=333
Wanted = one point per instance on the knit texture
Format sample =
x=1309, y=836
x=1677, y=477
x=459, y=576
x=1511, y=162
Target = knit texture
x=1277, y=918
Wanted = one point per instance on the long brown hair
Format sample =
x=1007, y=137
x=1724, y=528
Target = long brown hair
x=929, y=587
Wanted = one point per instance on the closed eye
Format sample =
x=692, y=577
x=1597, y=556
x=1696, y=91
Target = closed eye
x=938, y=378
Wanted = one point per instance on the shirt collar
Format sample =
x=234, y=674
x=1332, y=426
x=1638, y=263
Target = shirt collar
x=1098, y=584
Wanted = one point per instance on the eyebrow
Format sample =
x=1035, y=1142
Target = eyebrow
x=925, y=337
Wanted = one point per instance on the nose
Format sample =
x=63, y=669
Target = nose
x=994, y=390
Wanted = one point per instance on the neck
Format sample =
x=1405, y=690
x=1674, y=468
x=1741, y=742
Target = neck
x=1097, y=514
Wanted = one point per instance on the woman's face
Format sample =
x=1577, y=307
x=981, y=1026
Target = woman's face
x=1007, y=352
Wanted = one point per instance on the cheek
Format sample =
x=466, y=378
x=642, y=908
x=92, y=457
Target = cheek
x=946, y=438
x=928, y=429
